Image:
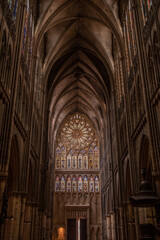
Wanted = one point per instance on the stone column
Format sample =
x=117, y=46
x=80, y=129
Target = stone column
x=113, y=226
x=108, y=223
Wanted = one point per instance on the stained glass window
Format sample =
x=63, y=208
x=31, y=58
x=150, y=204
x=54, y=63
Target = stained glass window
x=10, y=3
x=80, y=163
x=74, y=187
x=96, y=184
x=96, y=159
x=80, y=184
x=149, y=4
x=58, y=158
x=69, y=161
x=57, y=184
x=144, y=12
x=74, y=161
x=85, y=161
x=15, y=9
x=25, y=27
x=62, y=184
x=132, y=29
x=63, y=158
x=91, y=184
x=68, y=184
x=85, y=184
x=77, y=133
x=90, y=158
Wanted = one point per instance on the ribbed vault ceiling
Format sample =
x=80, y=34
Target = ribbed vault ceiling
x=78, y=64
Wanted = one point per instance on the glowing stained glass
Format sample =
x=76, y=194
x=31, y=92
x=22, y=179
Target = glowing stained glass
x=63, y=158
x=62, y=184
x=96, y=158
x=68, y=184
x=74, y=187
x=15, y=9
x=80, y=184
x=10, y=3
x=96, y=184
x=90, y=158
x=144, y=13
x=80, y=161
x=149, y=4
x=58, y=158
x=77, y=133
x=25, y=27
x=85, y=184
x=85, y=161
x=74, y=161
x=69, y=161
x=57, y=184
x=91, y=184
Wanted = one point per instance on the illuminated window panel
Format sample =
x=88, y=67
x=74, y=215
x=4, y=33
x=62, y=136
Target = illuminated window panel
x=74, y=186
x=63, y=158
x=85, y=184
x=57, y=184
x=80, y=161
x=68, y=184
x=96, y=158
x=74, y=161
x=15, y=9
x=25, y=28
x=58, y=158
x=80, y=184
x=90, y=158
x=77, y=133
x=69, y=161
x=91, y=184
x=62, y=184
x=96, y=184
x=85, y=161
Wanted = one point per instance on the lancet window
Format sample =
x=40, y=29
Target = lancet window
x=129, y=36
x=145, y=7
x=68, y=184
x=62, y=184
x=57, y=184
x=13, y=5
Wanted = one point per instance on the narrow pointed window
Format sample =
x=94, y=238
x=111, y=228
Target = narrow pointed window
x=85, y=161
x=91, y=184
x=80, y=163
x=58, y=158
x=62, y=184
x=63, y=158
x=96, y=184
x=90, y=158
x=57, y=184
x=96, y=159
x=80, y=184
x=85, y=184
x=68, y=161
x=68, y=184
x=74, y=186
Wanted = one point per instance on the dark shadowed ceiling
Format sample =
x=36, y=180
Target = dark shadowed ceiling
x=78, y=65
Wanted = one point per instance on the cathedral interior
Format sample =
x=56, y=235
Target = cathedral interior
x=79, y=119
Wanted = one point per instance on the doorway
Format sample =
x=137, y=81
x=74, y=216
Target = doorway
x=76, y=229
